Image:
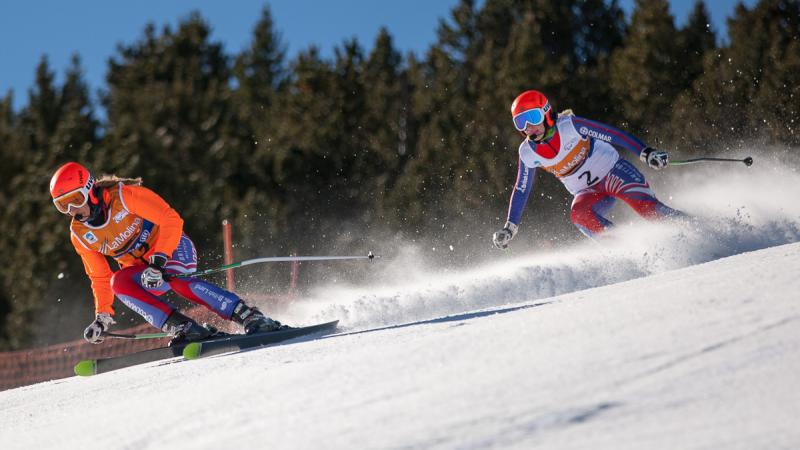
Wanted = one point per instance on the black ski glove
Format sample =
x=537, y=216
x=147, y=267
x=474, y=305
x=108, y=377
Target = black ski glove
x=656, y=159
x=153, y=275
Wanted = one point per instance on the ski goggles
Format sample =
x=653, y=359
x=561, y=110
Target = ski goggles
x=533, y=116
x=73, y=199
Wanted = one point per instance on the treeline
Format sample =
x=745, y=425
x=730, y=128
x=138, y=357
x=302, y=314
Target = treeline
x=309, y=154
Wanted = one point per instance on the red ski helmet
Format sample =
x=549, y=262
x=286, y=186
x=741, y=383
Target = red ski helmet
x=71, y=186
x=532, y=107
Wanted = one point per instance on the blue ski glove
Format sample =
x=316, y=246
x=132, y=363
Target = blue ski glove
x=655, y=159
x=153, y=275
x=94, y=332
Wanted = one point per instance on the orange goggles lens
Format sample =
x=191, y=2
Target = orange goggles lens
x=75, y=199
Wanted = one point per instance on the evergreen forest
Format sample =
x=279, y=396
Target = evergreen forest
x=371, y=147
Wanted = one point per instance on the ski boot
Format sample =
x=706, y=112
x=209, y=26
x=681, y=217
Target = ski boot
x=184, y=330
x=253, y=320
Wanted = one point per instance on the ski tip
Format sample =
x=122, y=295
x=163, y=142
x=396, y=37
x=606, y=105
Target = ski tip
x=192, y=350
x=86, y=368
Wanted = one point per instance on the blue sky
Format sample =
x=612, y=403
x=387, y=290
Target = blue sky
x=93, y=28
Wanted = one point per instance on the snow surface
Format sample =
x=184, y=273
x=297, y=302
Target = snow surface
x=671, y=335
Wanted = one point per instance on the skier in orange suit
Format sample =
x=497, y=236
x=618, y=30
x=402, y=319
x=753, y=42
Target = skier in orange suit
x=119, y=218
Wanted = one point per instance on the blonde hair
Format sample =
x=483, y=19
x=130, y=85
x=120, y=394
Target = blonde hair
x=106, y=181
x=566, y=112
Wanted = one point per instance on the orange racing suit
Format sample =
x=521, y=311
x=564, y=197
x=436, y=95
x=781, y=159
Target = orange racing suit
x=138, y=224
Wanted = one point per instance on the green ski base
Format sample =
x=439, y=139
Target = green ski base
x=86, y=368
x=89, y=367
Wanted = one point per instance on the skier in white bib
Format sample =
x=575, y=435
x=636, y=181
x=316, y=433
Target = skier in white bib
x=581, y=153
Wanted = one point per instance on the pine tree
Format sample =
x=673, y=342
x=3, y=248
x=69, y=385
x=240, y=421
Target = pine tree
x=170, y=113
x=775, y=72
x=10, y=151
x=261, y=76
x=695, y=40
x=76, y=136
x=388, y=126
x=644, y=71
x=697, y=48
x=261, y=69
x=481, y=165
x=444, y=97
x=39, y=120
x=598, y=30
x=749, y=88
x=308, y=151
x=57, y=125
x=10, y=145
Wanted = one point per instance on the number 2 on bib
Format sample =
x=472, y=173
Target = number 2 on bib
x=589, y=180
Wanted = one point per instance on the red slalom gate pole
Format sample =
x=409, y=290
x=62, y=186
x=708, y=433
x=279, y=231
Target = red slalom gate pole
x=226, y=237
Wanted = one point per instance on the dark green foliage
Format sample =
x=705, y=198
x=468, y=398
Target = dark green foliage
x=56, y=126
x=694, y=41
x=749, y=89
x=645, y=71
x=170, y=112
x=315, y=155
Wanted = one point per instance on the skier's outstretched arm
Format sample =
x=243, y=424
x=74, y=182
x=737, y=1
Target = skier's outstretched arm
x=100, y=274
x=519, y=197
x=655, y=159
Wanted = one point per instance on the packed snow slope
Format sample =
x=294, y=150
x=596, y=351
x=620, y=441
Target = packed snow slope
x=700, y=357
x=671, y=335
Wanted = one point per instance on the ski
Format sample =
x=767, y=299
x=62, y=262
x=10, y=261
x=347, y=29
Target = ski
x=89, y=367
x=193, y=350
x=237, y=342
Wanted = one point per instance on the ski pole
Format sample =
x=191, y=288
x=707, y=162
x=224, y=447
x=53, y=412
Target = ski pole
x=248, y=262
x=136, y=336
x=747, y=161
